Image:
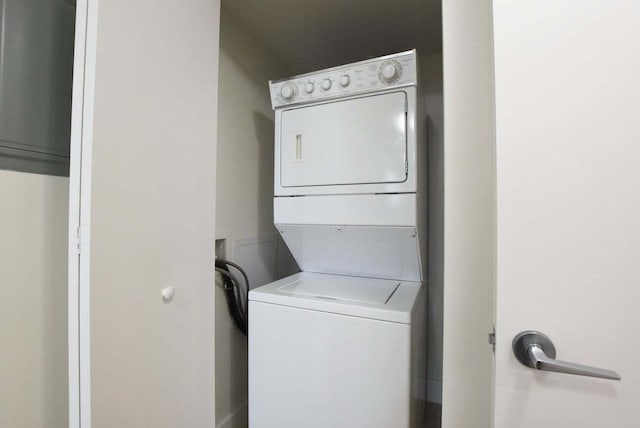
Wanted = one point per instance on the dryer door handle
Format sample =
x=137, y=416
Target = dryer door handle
x=298, y=148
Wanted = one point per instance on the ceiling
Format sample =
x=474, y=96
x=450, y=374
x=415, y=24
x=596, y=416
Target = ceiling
x=309, y=35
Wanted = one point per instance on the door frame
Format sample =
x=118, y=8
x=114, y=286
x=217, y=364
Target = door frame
x=79, y=213
x=469, y=214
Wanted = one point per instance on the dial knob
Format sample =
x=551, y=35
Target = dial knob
x=287, y=92
x=309, y=87
x=326, y=84
x=390, y=71
x=345, y=80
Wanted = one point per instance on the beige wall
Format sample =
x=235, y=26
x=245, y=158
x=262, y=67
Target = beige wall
x=244, y=196
x=33, y=302
x=152, y=214
x=469, y=209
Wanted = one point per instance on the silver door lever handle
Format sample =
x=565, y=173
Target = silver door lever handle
x=535, y=350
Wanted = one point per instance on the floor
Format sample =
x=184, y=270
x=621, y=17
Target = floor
x=433, y=416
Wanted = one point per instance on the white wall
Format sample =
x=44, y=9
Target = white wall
x=152, y=213
x=33, y=302
x=431, y=89
x=244, y=203
x=469, y=209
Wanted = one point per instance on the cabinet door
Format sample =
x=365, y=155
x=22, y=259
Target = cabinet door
x=152, y=214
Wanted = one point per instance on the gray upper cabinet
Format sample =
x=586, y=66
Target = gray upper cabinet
x=36, y=65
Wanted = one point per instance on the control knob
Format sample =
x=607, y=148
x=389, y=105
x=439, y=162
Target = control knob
x=309, y=87
x=390, y=71
x=288, y=92
x=345, y=80
x=326, y=84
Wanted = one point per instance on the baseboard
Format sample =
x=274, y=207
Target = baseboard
x=434, y=390
x=238, y=419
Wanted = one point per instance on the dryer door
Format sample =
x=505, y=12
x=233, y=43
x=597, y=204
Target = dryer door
x=355, y=141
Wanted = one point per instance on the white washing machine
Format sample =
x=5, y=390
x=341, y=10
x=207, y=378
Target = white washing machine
x=343, y=343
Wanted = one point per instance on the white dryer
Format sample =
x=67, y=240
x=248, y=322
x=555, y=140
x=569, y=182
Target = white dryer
x=343, y=343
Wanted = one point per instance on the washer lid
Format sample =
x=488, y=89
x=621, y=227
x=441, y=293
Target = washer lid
x=346, y=288
x=379, y=299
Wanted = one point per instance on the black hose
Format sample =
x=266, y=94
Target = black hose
x=232, y=282
x=230, y=290
x=234, y=293
x=244, y=275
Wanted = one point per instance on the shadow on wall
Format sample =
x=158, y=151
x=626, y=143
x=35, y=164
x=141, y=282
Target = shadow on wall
x=264, y=129
x=239, y=43
x=435, y=247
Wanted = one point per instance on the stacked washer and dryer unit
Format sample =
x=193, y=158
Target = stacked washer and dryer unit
x=343, y=342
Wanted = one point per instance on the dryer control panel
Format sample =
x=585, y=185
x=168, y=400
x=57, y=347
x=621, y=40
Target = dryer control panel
x=390, y=71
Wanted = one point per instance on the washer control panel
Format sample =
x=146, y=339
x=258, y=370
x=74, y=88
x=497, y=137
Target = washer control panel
x=350, y=79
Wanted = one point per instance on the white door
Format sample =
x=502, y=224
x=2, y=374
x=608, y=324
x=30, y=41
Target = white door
x=357, y=141
x=148, y=197
x=567, y=76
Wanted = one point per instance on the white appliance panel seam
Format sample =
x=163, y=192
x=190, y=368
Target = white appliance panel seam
x=333, y=312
